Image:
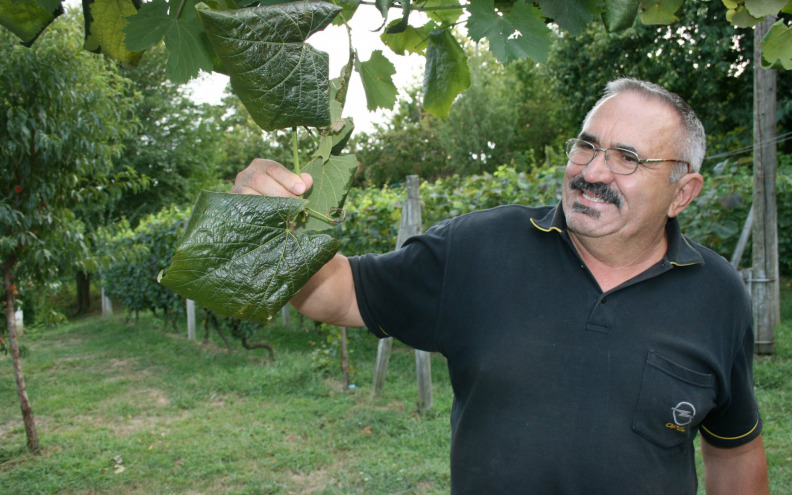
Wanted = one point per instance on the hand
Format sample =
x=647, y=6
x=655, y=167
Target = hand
x=270, y=178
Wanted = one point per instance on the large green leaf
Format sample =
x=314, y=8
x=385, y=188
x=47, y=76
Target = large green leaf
x=660, y=12
x=332, y=178
x=572, y=15
x=411, y=40
x=26, y=19
x=777, y=47
x=378, y=85
x=105, y=21
x=762, y=8
x=281, y=80
x=240, y=258
x=189, y=51
x=620, y=14
x=446, y=73
x=516, y=34
x=445, y=14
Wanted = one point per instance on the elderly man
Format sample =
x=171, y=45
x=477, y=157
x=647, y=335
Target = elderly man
x=587, y=343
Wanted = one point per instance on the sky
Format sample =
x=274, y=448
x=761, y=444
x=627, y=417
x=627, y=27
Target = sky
x=335, y=41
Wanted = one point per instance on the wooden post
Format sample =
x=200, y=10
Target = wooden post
x=743, y=241
x=423, y=369
x=345, y=357
x=107, y=305
x=285, y=315
x=409, y=226
x=381, y=366
x=764, y=280
x=19, y=321
x=190, y=319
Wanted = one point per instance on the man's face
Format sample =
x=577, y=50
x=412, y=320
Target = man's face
x=598, y=203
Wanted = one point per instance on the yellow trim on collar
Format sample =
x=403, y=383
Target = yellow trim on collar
x=691, y=247
x=543, y=229
x=730, y=438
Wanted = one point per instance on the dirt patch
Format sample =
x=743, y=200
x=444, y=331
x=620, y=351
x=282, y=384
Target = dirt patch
x=315, y=481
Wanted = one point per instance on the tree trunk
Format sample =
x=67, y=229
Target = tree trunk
x=24, y=402
x=83, y=292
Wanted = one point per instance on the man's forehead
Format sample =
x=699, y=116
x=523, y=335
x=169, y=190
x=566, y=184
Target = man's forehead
x=629, y=120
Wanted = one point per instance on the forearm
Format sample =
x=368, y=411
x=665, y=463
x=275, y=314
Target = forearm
x=738, y=471
x=329, y=296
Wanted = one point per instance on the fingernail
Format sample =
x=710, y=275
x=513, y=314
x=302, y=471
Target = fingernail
x=299, y=189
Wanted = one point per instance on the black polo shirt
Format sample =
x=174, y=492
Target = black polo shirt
x=559, y=387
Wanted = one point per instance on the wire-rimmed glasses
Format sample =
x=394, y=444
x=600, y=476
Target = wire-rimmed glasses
x=619, y=161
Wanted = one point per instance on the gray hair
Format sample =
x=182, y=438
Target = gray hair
x=693, y=142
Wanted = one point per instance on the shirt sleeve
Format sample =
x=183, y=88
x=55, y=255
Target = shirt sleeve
x=399, y=293
x=737, y=421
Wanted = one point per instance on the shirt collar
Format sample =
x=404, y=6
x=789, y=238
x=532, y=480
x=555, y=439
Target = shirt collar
x=680, y=250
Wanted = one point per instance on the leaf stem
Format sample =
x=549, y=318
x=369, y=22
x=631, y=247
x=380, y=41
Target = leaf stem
x=295, y=153
x=424, y=9
x=181, y=6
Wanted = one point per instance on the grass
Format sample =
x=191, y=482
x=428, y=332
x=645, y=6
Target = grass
x=125, y=408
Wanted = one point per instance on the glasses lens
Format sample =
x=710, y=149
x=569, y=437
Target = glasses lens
x=579, y=152
x=621, y=161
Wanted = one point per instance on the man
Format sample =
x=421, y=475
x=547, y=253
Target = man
x=587, y=343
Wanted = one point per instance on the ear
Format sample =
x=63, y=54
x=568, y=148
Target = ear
x=688, y=187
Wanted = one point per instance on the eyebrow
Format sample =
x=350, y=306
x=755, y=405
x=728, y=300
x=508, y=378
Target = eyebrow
x=593, y=139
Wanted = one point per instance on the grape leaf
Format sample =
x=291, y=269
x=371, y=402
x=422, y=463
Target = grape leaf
x=189, y=51
x=777, y=47
x=239, y=257
x=281, y=80
x=332, y=179
x=411, y=40
x=377, y=82
x=446, y=73
x=572, y=15
x=620, y=14
x=740, y=17
x=146, y=28
x=517, y=34
x=660, y=12
x=762, y=8
x=27, y=19
x=348, y=9
x=105, y=21
x=48, y=5
x=445, y=15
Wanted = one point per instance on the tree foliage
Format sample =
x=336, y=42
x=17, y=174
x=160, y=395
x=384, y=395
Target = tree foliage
x=67, y=113
x=702, y=57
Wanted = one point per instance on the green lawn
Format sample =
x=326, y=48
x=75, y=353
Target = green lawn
x=124, y=408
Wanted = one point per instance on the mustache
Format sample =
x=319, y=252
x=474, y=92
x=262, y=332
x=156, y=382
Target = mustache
x=599, y=189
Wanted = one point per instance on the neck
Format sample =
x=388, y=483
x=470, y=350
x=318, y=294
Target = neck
x=613, y=262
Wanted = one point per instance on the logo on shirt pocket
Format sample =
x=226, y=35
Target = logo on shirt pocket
x=672, y=402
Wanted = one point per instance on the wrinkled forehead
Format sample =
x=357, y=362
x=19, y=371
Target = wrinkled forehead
x=632, y=121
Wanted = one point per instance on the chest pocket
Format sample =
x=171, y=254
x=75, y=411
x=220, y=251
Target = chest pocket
x=673, y=401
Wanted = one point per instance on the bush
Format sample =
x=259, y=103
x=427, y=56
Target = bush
x=132, y=279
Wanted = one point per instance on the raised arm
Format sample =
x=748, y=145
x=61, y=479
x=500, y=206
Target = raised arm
x=329, y=296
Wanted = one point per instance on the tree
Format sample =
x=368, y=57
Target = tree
x=178, y=144
x=66, y=114
x=407, y=144
x=702, y=57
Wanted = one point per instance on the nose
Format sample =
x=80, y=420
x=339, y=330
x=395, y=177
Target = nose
x=597, y=170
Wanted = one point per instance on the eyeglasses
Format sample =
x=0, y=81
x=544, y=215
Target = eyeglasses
x=618, y=160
